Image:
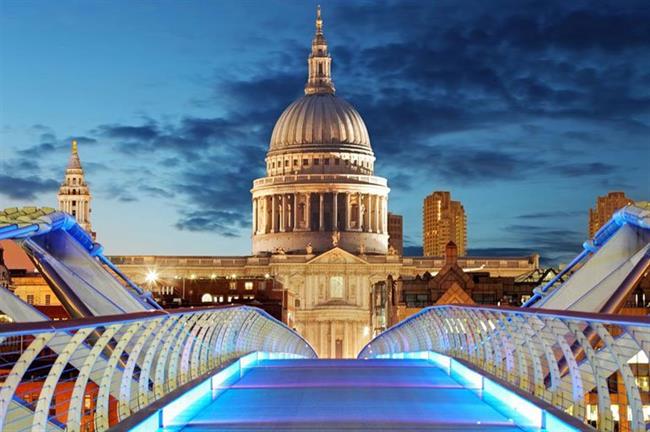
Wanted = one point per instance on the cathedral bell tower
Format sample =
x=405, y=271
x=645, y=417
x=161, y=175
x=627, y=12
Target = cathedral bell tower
x=74, y=196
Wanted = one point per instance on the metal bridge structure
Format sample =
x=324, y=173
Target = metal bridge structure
x=122, y=363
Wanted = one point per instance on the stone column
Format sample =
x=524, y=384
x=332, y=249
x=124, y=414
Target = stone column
x=385, y=213
x=359, y=213
x=332, y=339
x=283, y=211
x=274, y=206
x=255, y=226
x=366, y=214
x=377, y=227
x=335, y=211
x=308, y=211
x=321, y=212
x=295, y=211
x=263, y=209
x=347, y=211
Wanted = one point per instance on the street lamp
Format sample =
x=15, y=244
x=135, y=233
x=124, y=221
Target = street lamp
x=151, y=277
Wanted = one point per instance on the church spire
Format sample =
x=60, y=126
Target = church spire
x=74, y=163
x=319, y=80
x=74, y=196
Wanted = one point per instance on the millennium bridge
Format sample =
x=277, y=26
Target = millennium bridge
x=123, y=363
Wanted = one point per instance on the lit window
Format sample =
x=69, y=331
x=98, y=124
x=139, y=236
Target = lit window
x=248, y=286
x=233, y=285
x=206, y=298
x=336, y=287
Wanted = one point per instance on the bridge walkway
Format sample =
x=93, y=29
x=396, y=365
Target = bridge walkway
x=333, y=395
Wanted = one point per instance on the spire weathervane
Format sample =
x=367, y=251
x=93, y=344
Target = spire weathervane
x=319, y=80
x=319, y=21
x=74, y=147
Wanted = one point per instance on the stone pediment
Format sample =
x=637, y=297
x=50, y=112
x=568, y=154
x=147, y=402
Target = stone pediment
x=337, y=256
x=455, y=295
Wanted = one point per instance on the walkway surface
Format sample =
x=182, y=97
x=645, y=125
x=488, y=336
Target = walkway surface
x=328, y=395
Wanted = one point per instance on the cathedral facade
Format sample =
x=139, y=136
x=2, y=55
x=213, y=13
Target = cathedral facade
x=320, y=224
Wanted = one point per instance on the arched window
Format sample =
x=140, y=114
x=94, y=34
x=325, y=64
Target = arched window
x=206, y=298
x=320, y=69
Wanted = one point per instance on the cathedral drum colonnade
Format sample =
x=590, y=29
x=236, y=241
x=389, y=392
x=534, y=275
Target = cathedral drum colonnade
x=320, y=189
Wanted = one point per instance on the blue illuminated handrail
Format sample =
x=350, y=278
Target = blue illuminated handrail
x=95, y=372
x=558, y=356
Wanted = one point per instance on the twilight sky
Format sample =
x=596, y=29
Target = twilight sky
x=524, y=110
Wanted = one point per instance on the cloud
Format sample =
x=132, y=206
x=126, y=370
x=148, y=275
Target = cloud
x=559, y=214
x=586, y=169
x=224, y=222
x=26, y=188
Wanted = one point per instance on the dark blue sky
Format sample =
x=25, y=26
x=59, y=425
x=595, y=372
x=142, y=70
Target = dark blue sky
x=525, y=110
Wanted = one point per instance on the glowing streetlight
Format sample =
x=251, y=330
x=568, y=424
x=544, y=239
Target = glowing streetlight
x=151, y=277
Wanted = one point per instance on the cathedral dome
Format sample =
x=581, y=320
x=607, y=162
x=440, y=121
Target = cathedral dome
x=320, y=122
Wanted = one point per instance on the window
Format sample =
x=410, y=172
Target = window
x=337, y=161
x=320, y=69
x=297, y=303
x=48, y=298
x=286, y=163
x=74, y=202
x=206, y=298
x=316, y=161
x=233, y=285
x=336, y=287
x=220, y=299
x=248, y=286
x=347, y=162
x=30, y=299
x=261, y=286
x=295, y=162
x=326, y=161
x=305, y=162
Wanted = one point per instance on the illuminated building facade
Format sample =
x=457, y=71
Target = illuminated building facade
x=320, y=222
x=396, y=233
x=443, y=220
x=605, y=208
x=74, y=195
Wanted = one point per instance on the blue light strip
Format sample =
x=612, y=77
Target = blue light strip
x=521, y=411
x=177, y=412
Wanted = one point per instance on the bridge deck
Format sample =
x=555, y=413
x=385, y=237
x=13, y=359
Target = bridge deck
x=347, y=395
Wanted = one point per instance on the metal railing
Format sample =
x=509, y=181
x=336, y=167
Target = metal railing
x=584, y=364
x=90, y=374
